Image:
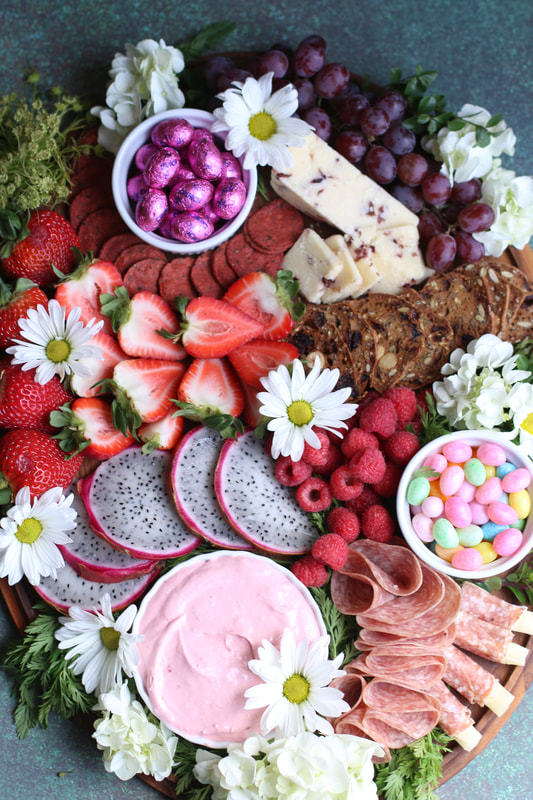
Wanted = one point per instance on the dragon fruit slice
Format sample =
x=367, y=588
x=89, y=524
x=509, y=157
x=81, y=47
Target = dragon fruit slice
x=129, y=506
x=192, y=480
x=94, y=559
x=70, y=589
x=255, y=503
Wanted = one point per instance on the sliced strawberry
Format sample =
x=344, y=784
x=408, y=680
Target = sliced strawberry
x=84, y=286
x=163, y=434
x=112, y=353
x=210, y=392
x=212, y=327
x=87, y=425
x=269, y=300
x=137, y=322
x=251, y=414
x=254, y=360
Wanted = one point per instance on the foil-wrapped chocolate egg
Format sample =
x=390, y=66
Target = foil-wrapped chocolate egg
x=144, y=154
x=191, y=226
x=165, y=227
x=184, y=172
x=151, y=209
x=209, y=213
x=229, y=197
x=202, y=135
x=190, y=195
x=161, y=167
x=205, y=159
x=231, y=167
x=172, y=133
x=136, y=187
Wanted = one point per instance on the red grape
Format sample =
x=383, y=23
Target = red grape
x=476, y=217
x=331, y=80
x=374, y=121
x=399, y=140
x=436, y=189
x=215, y=67
x=309, y=56
x=466, y=192
x=306, y=93
x=429, y=225
x=225, y=79
x=352, y=145
x=440, y=251
x=393, y=103
x=380, y=164
x=410, y=196
x=320, y=121
x=468, y=249
x=349, y=109
x=275, y=61
x=412, y=169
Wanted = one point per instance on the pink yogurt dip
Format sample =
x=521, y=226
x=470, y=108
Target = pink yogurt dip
x=202, y=623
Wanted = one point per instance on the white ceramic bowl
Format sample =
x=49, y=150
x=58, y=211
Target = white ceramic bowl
x=501, y=564
x=121, y=169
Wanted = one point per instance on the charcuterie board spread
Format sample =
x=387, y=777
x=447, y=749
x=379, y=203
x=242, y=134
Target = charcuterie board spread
x=266, y=423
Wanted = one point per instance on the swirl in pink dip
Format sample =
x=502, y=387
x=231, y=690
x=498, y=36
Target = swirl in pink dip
x=202, y=623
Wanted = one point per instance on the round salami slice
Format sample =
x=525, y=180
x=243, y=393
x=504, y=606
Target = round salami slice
x=428, y=595
x=175, y=279
x=135, y=253
x=222, y=270
x=354, y=589
x=395, y=568
x=143, y=276
x=89, y=198
x=112, y=248
x=203, y=278
x=275, y=227
x=98, y=227
x=244, y=259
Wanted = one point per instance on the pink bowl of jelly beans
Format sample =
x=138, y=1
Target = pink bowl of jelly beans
x=464, y=504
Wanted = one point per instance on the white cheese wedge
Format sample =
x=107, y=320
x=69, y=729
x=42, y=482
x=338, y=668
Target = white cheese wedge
x=363, y=255
x=397, y=257
x=325, y=185
x=516, y=655
x=349, y=280
x=313, y=263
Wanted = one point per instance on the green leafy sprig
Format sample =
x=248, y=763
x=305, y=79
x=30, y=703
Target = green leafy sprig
x=414, y=771
x=524, y=351
x=342, y=629
x=433, y=424
x=192, y=79
x=519, y=583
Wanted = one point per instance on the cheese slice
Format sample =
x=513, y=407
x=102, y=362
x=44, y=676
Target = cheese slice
x=349, y=280
x=397, y=257
x=363, y=256
x=313, y=263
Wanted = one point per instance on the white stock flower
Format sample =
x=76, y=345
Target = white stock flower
x=260, y=123
x=511, y=199
x=144, y=82
x=30, y=533
x=521, y=407
x=131, y=743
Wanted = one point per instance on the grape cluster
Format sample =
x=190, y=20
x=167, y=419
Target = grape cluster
x=365, y=126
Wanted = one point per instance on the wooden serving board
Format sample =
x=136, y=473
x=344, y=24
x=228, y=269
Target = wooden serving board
x=20, y=597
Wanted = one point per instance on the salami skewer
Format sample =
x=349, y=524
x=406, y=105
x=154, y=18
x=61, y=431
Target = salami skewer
x=486, y=606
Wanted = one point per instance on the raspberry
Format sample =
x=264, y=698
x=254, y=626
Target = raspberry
x=367, y=498
x=344, y=485
x=313, y=495
x=291, y=473
x=379, y=417
x=364, y=402
x=404, y=401
x=401, y=447
x=317, y=456
x=368, y=465
x=331, y=550
x=333, y=461
x=377, y=524
x=310, y=571
x=388, y=485
x=357, y=440
x=344, y=522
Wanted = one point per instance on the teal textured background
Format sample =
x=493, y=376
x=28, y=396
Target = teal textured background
x=482, y=52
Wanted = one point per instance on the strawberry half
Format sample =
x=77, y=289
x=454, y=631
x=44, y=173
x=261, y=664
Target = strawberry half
x=254, y=360
x=137, y=322
x=24, y=403
x=83, y=288
x=163, y=434
x=269, y=300
x=87, y=425
x=211, y=328
x=101, y=368
x=210, y=393
x=15, y=302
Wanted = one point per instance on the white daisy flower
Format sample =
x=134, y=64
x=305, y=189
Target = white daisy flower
x=101, y=646
x=30, y=533
x=295, y=688
x=54, y=342
x=259, y=123
x=295, y=404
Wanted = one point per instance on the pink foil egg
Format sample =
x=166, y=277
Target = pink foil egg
x=205, y=159
x=229, y=197
x=137, y=187
x=161, y=167
x=144, y=154
x=190, y=226
x=190, y=195
x=172, y=133
x=151, y=209
x=230, y=167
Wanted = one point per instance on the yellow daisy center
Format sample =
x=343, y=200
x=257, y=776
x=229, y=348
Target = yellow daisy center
x=300, y=412
x=527, y=424
x=296, y=688
x=29, y=531
x=110, y=637
x=262, y=126
x=57, y=350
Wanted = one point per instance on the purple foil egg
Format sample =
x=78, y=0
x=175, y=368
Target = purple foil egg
x=190, y=195
x=191, y=227
x=144, y=154
x=209, y=213
x=172, y=133
x=136, y=187
x=231, y=167
x=165, y=227
x=202, y=135
x=161, y=167
x=229, y=197
x=151, y=209
x=205, y=159
x=185, y=173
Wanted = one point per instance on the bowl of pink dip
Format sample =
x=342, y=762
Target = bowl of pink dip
x=202, y=622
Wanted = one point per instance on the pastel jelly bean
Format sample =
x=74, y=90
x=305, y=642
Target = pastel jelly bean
x=490, y=471
x=417, y=491
x=444, y=533
x=468, y=559
x=490, y=529
x=466, y=491
x=475, y=472
x=446, y=553
x=501, y=513
x=457, y=512
x=520, y=524
x=457, y=452
x=451, y=479
x=470, y=535
x=488, y=553
x=521, y=502
x=505, y=469
x=516, y=480
x=437, y=462
x=479, y=513
x=490, y=491
x=434, y=491
x=507, y=542
x=491, y=454
x=422, y=526
x=432, y=506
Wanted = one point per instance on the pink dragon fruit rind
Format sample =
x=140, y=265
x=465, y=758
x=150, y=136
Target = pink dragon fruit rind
x=195, y=457
x=254, y=502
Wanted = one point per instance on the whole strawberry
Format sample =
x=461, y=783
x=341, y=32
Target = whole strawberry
x=24, y=403
x=14, y=304
x=34, y=459
x=48, y=239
